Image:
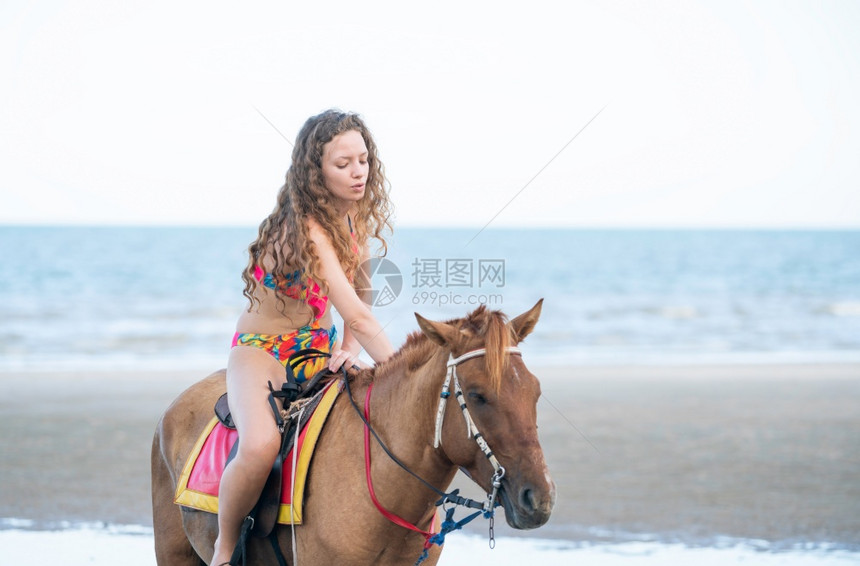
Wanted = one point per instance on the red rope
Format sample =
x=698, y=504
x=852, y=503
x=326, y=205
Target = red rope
x=385, y=512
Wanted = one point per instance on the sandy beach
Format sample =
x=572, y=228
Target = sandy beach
x=689, y=454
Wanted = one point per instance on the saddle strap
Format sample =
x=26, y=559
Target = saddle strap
x=268, y=506
x=292, y=389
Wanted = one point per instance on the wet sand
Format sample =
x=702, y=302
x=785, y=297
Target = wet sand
x=682, y=453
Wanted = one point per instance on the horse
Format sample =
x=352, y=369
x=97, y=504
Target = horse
x=342, y=525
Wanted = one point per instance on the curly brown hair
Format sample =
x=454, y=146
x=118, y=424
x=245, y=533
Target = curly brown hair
x=283, y=236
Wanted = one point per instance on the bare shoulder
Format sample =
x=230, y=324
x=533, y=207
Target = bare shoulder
x=313, y=225
x=317, y=233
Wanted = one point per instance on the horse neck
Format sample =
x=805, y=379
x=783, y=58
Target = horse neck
x=403, y=410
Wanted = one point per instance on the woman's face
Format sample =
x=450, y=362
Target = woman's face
x=344, y=168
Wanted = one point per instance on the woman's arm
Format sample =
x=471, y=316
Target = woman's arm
x=349, y=348
x=359, y=323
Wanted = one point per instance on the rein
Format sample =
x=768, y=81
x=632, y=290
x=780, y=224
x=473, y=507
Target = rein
x=487, y=508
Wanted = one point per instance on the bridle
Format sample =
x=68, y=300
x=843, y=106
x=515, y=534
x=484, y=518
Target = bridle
x=471, y=428
x=487, y=508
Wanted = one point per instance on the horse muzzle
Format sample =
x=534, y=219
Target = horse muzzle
x=527, y=506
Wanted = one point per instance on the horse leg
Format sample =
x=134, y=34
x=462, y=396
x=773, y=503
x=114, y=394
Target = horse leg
x=172, y=547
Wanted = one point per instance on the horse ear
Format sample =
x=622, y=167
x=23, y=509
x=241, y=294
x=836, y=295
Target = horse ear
x=525, y=323
x=439, y=332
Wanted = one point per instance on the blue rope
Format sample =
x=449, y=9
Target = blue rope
x=449, y=525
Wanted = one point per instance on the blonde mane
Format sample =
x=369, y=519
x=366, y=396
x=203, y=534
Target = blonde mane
x=480, y=328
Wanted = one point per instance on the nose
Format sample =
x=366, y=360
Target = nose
x=534, y=502
x=527, y=499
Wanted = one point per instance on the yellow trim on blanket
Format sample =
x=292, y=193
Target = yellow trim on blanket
x=188, y=497
x=209, y=503
x=303, y=462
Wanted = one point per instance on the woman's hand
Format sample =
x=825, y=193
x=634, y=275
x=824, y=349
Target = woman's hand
x=340, y=357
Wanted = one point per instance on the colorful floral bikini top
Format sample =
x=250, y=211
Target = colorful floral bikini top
x=295, y=286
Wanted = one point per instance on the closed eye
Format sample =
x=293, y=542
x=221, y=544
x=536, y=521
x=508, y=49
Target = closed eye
x=477, y=398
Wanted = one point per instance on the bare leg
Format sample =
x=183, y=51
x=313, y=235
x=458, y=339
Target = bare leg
x=248, y=372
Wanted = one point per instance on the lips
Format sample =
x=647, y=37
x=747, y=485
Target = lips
x=357, y=188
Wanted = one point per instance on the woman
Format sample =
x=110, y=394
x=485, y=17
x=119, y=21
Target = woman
x=303, y=262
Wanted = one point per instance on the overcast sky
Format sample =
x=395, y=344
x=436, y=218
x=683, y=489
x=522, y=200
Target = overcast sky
x=717, y=114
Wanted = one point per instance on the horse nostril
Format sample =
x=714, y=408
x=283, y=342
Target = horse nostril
x=527, y=499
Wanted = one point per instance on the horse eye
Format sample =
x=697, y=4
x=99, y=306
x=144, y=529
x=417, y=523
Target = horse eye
x=478, y=398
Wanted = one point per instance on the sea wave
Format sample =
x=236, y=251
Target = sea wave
x=96, y=546
x=611, y=296
x=844, y=309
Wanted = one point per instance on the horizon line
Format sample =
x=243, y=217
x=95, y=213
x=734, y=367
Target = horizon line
x=613, y=227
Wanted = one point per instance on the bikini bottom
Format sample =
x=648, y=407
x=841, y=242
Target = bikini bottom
x=282, y=346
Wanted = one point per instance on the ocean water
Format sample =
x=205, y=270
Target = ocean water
x=100, y=545
x=169, y=296
x=108, y=297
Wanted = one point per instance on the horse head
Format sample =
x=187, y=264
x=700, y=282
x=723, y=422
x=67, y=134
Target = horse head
x=500, y=395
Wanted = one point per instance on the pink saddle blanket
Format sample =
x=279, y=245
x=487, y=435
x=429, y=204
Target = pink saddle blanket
x=201, y=476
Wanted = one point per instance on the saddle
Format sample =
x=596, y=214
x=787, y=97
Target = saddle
x=298, y=402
